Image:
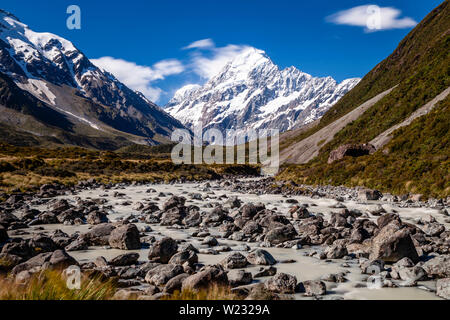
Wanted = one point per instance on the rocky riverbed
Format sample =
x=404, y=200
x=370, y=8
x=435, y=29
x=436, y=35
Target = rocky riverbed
x=264, y=241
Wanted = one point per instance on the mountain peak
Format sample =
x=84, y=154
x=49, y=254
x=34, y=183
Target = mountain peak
x=4, y=13
x=252, y=92
x=247, y=61
x=53, y=70
x=250, y=57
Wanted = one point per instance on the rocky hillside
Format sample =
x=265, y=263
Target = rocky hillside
x=252, y=92
x=55, y=72
x=410, y=89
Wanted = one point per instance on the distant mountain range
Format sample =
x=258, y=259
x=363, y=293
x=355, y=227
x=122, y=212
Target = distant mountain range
x=252, y=92
x=57, y=79
x=57, y=96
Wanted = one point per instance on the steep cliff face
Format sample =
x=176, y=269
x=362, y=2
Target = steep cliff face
x=401, y=107
x=56, y=72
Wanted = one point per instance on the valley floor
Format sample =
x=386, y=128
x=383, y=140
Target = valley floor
x=343, y=276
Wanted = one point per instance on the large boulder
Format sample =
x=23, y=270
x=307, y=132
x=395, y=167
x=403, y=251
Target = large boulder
x=78, y=244
x=217, y=215
x=41, y=243
x=272, y=221
x=184, y=256
x=234, y=261
x=251, y=228
x=7, y=218
x=393, y=243
x=280, y=234
x=174, y=202
x=300, y=213
x=248, y=210
x=192, y=219
x=8, y=261
x=70, y=216
x=350, y=150
x=96, y=217
x=58, y=259
x=206, y=277
x=314, y=288
x=281, y=283
x=98, y=235
x=386, y=219
x=173, y=216
x=126, y=259
x=433, y=229
x=239, y=278
x=256, y=291
x=411, y=275
x=125, y=237
x=369, y=195
x=127, y=294
x=175, y=284
x=21, y=249
x=443, y=288
x=60, y=206
x=337, y=250
x=438, y=267
x=261, y=257
x=163, y=250
x=163, y=273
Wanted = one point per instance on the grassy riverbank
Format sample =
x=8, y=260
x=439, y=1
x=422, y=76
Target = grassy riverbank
x=27, y=168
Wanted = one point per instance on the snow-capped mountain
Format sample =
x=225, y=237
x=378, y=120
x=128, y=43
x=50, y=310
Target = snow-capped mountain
x=56, y=72
x=252, y=92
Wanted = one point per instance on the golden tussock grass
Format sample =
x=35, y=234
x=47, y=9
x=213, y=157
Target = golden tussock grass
x=215, y=292
x=51, y=285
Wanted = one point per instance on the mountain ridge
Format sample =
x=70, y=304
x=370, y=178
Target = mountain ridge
x=412, y=121
x=251, y=91
x=53, y=70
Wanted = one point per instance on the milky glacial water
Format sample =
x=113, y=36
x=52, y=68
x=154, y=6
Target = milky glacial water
x=304, y=267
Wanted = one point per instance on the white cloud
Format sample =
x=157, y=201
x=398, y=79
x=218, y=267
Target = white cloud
x=138, y=77
x=206, y=60
x=201, y=44
x=373, y=18
x=211, y=64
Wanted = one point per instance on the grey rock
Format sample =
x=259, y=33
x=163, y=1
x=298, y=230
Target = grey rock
x=126, y=259
x=281, y=283
x=443, y=288
x=261, y=257
x=184, y=256
x=314, y=288
x=163, y=250
x=125, y=237
x=175, y=284
x=210, y=241
x=392, y=244
x=438, y=267
x=78, y=244
x=163, y=273
x=266, y=272
x=280, y=234
x=206, y=277
x=234, y=261
x=96, y=217
x=99, y=235
x=239, y=278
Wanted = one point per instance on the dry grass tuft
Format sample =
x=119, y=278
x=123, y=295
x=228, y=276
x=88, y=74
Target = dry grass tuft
x=215, y=292
x=51, y=285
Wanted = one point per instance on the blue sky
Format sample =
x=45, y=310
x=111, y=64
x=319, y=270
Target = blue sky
x=150, y=37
